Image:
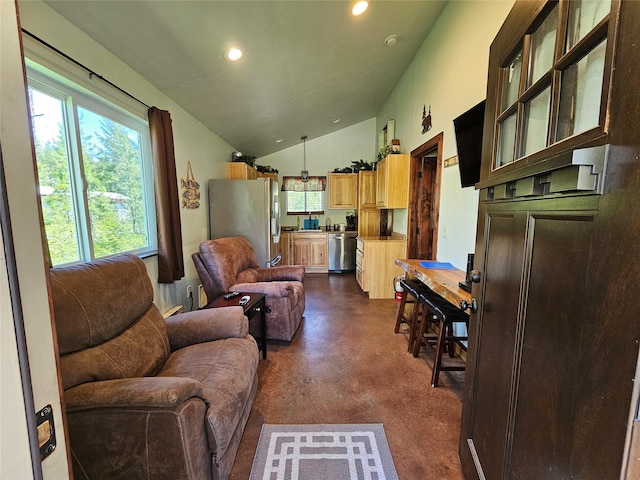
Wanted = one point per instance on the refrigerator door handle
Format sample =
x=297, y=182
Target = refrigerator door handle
x=274, y=261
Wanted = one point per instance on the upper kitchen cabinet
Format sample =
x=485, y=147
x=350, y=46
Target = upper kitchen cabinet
x=343, y=190
x=392, y=182
x=240, y=171
x=367, y=189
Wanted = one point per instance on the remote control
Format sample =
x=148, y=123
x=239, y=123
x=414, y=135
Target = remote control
x=231, y=295
x=244, y=300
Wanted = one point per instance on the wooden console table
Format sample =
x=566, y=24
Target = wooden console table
x=443, y=282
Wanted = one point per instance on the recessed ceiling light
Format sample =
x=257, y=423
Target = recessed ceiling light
x=336, y=120
x=279, y=140
x=391, y=40
x=233, y=54
x=360, y=7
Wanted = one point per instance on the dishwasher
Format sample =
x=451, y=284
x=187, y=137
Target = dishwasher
x=342, y=251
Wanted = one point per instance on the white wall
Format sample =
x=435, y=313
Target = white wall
x=450, y=74
x=193, y=142
x=324, y=154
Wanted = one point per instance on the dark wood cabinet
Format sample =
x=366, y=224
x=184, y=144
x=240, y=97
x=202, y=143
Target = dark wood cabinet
x=554, y=344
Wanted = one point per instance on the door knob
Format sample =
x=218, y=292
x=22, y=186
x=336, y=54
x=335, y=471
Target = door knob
x=474, y=276
x=472, y=305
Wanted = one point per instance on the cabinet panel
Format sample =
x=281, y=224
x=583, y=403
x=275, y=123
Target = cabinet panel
x=311, y=250
x=241, y=171
x=285, y=249
x=504, y=244
x=343, y=190
x=552, y=335
x=368, y=222
x=367, y=189
x=392, y=182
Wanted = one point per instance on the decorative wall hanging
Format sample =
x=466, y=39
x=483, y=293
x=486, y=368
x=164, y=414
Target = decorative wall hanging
x=191, y=195
x=426, y=119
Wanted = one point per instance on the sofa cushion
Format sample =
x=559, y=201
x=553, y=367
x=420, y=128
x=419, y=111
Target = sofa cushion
x=226, y=370
x=228, y=257
x=139, y=351
x=98, y=300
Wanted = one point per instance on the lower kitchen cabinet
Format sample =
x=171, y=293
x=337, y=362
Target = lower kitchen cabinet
x=311, y=250
x=285, y=249
x=375, y=264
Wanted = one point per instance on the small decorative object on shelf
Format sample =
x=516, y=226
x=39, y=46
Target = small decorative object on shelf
x=395, y=145
x=266, y=169
x=384, y=151
x=357, y=166
x=239, y=157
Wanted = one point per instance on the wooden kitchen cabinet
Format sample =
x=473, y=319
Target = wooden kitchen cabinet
x=392, y=181
x=240, y=171
x=367, y=189
x=343, y=190
x=285, y=248
x=311, y=250
x=376, y=264
x=368, y=222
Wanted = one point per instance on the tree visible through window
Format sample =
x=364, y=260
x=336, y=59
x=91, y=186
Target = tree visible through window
x=94, y=175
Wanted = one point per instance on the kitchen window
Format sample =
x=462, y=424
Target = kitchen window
x=305, y=197
x=94, y=169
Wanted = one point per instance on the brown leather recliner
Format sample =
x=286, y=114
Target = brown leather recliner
x=230, y=264
x=147, y=397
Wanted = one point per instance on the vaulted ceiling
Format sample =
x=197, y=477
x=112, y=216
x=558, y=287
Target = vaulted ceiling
x=306, y=63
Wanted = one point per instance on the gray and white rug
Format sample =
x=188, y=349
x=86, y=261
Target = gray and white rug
x=323, y=452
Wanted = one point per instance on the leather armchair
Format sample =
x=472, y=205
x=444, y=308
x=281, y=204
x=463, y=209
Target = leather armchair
x=147, y=397
x=230, y=264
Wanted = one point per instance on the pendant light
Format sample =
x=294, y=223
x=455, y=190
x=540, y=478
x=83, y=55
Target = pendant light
x=304, y=175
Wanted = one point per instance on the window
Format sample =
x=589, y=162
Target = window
x=553, y=86
x=304, y=197
x=95, y=172
x=305, y=202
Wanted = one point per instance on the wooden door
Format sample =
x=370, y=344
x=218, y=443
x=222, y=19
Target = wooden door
x=553, y=346
x=424, y=199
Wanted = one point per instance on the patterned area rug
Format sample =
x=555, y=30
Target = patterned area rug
x=323, y=452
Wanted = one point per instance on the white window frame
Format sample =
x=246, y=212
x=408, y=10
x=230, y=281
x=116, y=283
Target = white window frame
x=72, y=96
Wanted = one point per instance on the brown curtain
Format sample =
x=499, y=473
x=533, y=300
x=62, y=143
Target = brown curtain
x=170, y=258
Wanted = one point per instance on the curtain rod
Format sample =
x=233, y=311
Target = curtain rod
x=84, y=67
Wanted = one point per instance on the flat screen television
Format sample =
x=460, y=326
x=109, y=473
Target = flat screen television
x=468, y=130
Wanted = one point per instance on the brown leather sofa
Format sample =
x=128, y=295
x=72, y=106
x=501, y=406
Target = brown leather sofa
x=230, y=264
x=147, y=397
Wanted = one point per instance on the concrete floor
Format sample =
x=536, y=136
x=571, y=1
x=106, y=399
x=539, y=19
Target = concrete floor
x=345, y=365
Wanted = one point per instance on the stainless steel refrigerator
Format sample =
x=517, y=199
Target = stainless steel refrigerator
x=250, y=208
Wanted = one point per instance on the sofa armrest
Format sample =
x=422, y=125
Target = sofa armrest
x=145, y=392
x=206, y=325
x=282, y=273
x=270, y=289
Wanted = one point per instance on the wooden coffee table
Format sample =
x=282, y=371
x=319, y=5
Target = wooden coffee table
x=256, y=305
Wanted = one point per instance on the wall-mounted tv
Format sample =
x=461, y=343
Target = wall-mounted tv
x=468, y=130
